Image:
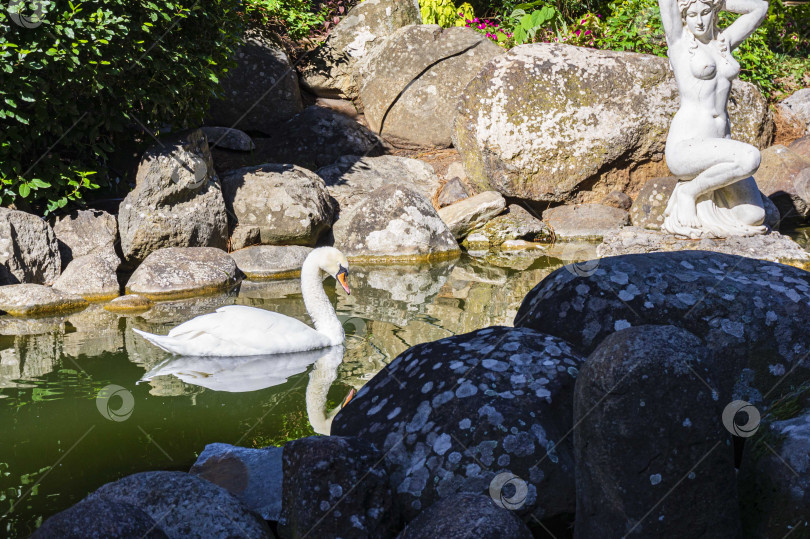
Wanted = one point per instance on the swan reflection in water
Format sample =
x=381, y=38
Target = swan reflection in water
x=239, y=374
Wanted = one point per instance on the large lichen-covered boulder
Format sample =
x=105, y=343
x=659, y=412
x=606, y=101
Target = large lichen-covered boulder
x=393, y=222
x=185, y=505
x=652, y=455
x=288, y=204
x=261, y=91
x=352, y=177
x=177, y=272
x=755, y=312
x=784, y=176
x=410, y=84
x=328, y=71
x=29, y=252
x=558, y=123
x=177, y=201
x=453, y=414
x=798, y=105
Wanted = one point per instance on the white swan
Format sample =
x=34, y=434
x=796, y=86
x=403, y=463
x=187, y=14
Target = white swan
x=238, y=330
x=321, y=377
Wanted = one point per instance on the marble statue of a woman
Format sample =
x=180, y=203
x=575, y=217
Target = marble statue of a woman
x=717, y=196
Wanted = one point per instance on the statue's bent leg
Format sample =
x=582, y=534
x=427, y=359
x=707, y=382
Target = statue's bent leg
x=715, y=164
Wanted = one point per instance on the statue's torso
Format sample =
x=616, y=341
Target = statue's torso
x=704, y=78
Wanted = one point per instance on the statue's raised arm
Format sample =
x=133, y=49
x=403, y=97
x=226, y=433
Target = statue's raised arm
x=717, y=195
x=753, y=12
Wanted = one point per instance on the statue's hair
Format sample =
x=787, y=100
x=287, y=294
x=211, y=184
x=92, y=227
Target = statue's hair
x=717, y=7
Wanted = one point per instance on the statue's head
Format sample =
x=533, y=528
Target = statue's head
x=701, y=17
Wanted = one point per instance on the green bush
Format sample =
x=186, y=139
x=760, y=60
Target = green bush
x=298, y=18
x=84, y=72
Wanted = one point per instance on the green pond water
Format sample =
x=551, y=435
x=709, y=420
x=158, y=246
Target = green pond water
x=84, y=400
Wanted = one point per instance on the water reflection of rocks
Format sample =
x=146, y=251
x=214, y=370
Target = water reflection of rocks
x=391, y=309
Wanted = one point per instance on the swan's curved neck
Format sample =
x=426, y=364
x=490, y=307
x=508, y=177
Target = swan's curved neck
x=318, y=305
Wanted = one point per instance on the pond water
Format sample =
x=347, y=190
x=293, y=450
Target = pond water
x=84, y=400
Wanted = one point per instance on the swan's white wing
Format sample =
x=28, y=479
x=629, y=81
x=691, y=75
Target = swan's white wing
x=238, y=330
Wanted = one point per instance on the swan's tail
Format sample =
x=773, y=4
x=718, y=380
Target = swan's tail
x=163, y=342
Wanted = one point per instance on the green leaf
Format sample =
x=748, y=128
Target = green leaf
x=24, y=190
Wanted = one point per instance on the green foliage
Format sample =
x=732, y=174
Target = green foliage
x=88, y=71
x=527, y=25
x=634, y=25
x=445, y=13
x=297, y=17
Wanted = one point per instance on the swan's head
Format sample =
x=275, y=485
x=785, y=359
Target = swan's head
x=335, y=263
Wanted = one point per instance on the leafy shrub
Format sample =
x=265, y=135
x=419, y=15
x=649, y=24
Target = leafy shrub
x=635, y=25
x=299, y=18
x=83, y=73
x=490, y=29
x=445, y=13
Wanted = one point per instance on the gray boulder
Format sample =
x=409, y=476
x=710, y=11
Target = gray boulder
x=37, y=300
x=585, y=222
x=784, y=176
x=409, y=85
x=261, y=91
x=92, y=277
x=652, y=454
x=319, y=136
x=515, y=224
x=29, y=252
x=335, y=485
x=289, y=205
x=453, y=414
x=801, y=146
x=393, y=222
x=185, y=505
x=617, y=199
x=798, y=105
x=177, y=272
x=87, y=232
x=465, y=515
x=252, y=475
x=228, y=139
x=100, y=519
x=351, y=178
x=271, y=261
x=751, y=312
x=176, y=202
x=466, y=215
x=558, y=123
x=452, y=191
x=329, y=70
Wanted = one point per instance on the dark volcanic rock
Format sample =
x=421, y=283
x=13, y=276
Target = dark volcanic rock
x=648, y=409
x=453, y=414
x=99, y=519
x=334, y=485
x=466, y=515
x=755, y=312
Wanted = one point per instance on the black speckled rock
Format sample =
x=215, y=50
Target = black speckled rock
x=755, y=312
x=452, y=414
x=775, y=477
x=185, y=505
x=334, y=487
x=99, y=519
x=463, y=516
x=648, y=408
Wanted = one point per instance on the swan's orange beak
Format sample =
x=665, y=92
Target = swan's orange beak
x=351, y=394
x=341, y=277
